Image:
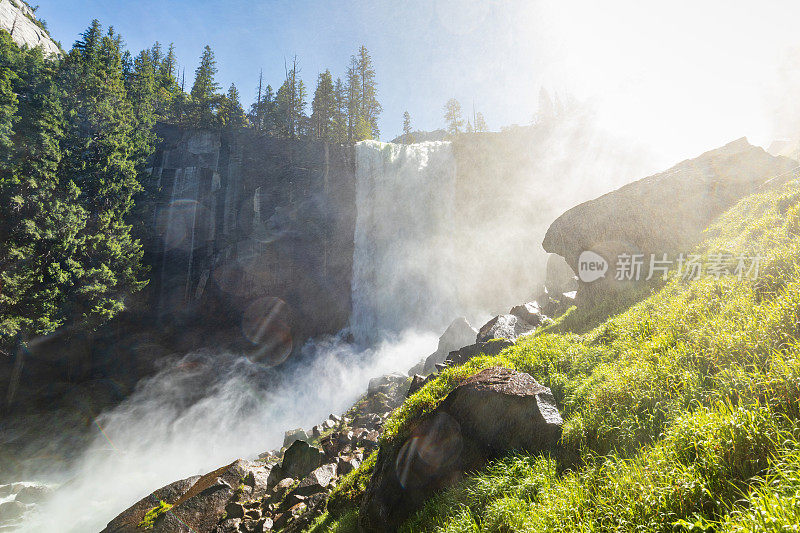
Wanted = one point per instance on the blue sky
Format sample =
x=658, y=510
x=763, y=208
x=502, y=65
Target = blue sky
x=680, y=76
x=424, y=52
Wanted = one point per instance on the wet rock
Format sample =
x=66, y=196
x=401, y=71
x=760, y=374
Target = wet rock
x=559, y=276
x=198, y=503
x=293, y=435
x=458, y=334
x=487, y=415
x=229, y=525
x=346, y=465
x=290, y=514
x=317, y=481
x=492, y=347
x=529, y=312
x=11, y=510
x=507, y=327
x=281, y=488
x=299, y=460
x=417, y=382
x=234, y=510
x=376, y=384
x=128, y=520
x=33, y=494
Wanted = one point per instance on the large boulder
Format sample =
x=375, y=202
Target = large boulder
x=292, y=435
x=559, y=276
x=457, y=335
x=491, y=347
x=299, y=460
x=661, y=214
x=486, y=416
x=196, y=504
x=529, y=312
x=508, y=327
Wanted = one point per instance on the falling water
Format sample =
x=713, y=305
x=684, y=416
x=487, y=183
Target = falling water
x=402, y=262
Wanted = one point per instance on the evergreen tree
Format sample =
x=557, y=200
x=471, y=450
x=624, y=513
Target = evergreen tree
x=39, y=220
x=408, y=138
x=103, y=158
x=339, y=121
x=452, y=116
x=167, y=88
x=480, y=123
x=256, y=114
x=143, y=90
x=324, y=108
x=291, y=103
x=370, y=108
x=231, y=112
x=204, y=95
x=69, y=170
x=358, y=127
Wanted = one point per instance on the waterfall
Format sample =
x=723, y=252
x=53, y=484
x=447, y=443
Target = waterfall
x=403, y=258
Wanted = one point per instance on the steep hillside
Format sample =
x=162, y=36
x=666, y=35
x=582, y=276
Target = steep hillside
x=680, y=413
x=18, y=19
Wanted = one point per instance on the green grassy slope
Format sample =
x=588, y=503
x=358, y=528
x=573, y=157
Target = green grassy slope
x=683, y=410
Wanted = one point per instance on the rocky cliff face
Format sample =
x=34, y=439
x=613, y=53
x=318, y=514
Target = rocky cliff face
x=254, y=235
x=18, y=19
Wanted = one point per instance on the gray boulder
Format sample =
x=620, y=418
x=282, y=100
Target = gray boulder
x=12, y=510
x=662, y=214
x=381, y=382
x=458, y=334
x=508, y=327
x=293, y=435
x=198, y=503
x=530, y=313
x=317, y=481
x=492, y=347
x=298, y=461
x=486, y=416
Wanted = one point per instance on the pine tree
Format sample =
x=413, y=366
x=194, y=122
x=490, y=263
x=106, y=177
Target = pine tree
x=358, y=125
x=103, y=158
x=408, y=138
x=324, y=108
x=370, y=108
x=291, y=103
x=69, y=173
x=256, y=115
x=339, y=122
x=231, y=112
x=452, y=116
x=39, y=221
x=143, y=90
x=167, y=88
x=480, y=123
x=204, y=95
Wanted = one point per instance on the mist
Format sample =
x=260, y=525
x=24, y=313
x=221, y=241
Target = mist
x=582, y=98
x=204, y=410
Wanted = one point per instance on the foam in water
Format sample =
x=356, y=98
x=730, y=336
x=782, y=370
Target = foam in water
x=402, y=263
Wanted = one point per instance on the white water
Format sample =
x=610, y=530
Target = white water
x=403, y=259
x=203, y=411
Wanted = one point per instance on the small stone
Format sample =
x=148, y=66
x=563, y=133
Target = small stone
x=234, y=510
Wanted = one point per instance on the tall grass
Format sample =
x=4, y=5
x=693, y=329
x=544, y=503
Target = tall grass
x=683, y=407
